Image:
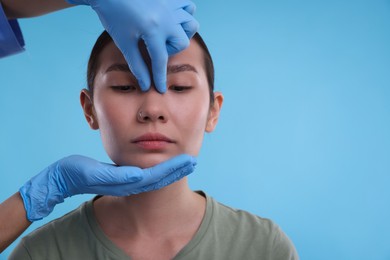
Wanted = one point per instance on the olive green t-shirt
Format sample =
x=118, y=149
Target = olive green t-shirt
x=225, y=233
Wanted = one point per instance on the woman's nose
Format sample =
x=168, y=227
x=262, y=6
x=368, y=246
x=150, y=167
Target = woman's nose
x=152, y=108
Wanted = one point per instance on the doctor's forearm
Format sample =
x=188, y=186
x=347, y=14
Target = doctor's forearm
x=13, y=220
x=31, y=8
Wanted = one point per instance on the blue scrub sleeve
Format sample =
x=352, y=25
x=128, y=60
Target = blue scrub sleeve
x=11, y=38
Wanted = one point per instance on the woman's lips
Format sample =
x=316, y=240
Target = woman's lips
x=152, y=141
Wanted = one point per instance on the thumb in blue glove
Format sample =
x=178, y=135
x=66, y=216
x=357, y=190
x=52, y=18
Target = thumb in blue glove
x=79, y=175
x=164, y=25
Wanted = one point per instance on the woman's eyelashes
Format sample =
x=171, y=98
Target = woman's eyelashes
x=133, y=88
x=124, y=88
x=180, y=89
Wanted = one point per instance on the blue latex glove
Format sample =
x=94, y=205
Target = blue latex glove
x=165, y=26
x=78, y=175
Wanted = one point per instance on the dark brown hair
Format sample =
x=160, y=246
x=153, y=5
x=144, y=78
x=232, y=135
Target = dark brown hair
x=105, y=39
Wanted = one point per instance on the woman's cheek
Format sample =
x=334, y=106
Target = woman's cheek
x=195, y=132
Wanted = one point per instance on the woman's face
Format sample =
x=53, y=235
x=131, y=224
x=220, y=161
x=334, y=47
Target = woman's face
x=145, y=128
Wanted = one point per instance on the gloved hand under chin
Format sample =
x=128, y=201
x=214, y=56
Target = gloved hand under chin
x=164, y=25
x=82, y=175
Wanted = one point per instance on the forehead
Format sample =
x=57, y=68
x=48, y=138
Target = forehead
x=193, y=55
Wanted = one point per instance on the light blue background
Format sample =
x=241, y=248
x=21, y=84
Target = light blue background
x=304, y=135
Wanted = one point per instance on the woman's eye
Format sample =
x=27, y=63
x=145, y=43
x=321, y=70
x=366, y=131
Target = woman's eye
x=124, y=88
x=180, y=88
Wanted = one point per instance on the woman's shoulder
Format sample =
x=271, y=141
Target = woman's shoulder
x=59, y=233
x=62, y=225
x=240, y=217
x=263, y=234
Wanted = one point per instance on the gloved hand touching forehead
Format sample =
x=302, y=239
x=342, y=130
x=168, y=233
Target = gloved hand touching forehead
x=82, y=175
x=164, y=25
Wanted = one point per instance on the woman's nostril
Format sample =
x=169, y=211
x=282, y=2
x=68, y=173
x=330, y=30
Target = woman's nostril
x=144, y=116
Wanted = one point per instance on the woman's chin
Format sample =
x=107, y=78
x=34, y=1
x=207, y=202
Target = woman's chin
x=142, y=161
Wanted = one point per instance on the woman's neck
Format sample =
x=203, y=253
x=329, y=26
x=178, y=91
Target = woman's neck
x=171, y=211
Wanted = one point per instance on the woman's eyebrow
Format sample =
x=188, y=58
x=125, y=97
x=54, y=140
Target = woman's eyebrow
x=118, y=67
x=180, y=68
x=171, y=68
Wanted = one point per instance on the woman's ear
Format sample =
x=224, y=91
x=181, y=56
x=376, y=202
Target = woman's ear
x=214, y=112
x=89, y=111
